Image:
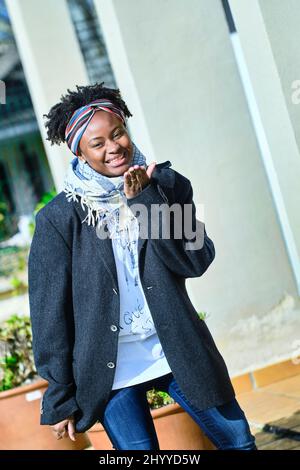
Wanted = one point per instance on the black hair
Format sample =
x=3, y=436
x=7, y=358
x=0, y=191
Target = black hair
x=60, y=114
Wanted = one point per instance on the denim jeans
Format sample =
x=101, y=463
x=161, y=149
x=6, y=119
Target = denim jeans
x=129, y=424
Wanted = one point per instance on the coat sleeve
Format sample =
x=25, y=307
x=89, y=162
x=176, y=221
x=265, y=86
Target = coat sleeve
x=50, y=300
x=186, y=257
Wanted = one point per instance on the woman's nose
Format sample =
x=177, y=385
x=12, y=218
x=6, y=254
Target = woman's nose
x=114, y=149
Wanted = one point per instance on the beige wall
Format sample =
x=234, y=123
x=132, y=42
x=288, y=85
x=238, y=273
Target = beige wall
x=185, y=78
x=282, y=23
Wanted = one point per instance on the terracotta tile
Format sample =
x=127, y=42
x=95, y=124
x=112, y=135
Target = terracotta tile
x=275, y=372
x=289, y=387
x=263, y=407
x=242, y=383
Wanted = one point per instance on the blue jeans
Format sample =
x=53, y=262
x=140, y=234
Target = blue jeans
x=129, y=424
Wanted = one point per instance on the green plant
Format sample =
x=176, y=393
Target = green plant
x=3, y=214
x=203, y=315
x=8, y=222
x=3, y=210
x=47, y=197
x=19, y=287
x=22, y=261
x=157, y=398
x=13, y=266
x=10, y=260
x=16, y=357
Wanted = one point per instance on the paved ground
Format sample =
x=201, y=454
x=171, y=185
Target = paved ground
x=273, y=412
x=283, y=434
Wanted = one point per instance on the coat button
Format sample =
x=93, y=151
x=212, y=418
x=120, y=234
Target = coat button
x=115, y=291
x=111, y=365
x=113, y=328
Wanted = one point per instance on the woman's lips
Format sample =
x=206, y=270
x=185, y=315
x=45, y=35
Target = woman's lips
x=118, y=161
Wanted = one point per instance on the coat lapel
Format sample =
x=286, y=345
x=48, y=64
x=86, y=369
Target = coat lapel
x=104, y=248
x=162, y=176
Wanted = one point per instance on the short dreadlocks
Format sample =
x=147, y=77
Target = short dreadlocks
x=60, y=114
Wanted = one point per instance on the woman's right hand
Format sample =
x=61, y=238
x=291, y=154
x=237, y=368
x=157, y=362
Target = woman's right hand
x=65, y=428
x=137, y=178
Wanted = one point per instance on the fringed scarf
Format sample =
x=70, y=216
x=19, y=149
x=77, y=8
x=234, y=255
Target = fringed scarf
x=102, y=196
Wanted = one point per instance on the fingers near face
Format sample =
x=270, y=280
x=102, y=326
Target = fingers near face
x=135, y=177
x=135, y=172
x=128, y=179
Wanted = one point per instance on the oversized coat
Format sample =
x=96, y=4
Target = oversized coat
x=74, y=307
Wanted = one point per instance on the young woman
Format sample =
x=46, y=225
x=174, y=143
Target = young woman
x=111, y=317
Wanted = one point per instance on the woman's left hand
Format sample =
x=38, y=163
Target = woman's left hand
x=136, y=179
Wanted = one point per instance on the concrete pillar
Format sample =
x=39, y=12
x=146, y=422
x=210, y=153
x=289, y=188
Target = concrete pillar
x=110, y=16
x=269, y=36
x=52, y=62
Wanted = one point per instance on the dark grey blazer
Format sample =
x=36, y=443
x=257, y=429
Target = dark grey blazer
x=74, y=306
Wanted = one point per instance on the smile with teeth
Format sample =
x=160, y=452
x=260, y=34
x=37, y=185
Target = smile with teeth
x=119, y=157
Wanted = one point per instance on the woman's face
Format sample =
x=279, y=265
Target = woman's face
x=105, y=139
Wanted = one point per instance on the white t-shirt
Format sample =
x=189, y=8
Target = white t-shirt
x=140, y=355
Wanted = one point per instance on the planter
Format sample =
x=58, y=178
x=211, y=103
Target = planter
x=20, y=422
x=176, y=430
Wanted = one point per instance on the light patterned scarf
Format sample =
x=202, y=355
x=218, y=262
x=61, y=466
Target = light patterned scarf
x=102, y=196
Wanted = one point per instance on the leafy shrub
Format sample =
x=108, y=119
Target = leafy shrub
x=8, y=222
x=16, y=357
x=157, y=398
x=47, y=197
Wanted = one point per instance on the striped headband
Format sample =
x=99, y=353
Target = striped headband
x=81, y=118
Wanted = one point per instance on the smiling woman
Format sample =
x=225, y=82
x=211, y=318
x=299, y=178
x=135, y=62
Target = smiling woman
x=96, y=132
x=121, y=144
x=111, y=316
x=106, y=145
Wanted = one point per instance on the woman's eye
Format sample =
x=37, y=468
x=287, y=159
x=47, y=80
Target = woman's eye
x=119, y=134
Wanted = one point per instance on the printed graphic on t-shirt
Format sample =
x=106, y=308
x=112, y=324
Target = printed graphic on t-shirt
x=136, y=321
